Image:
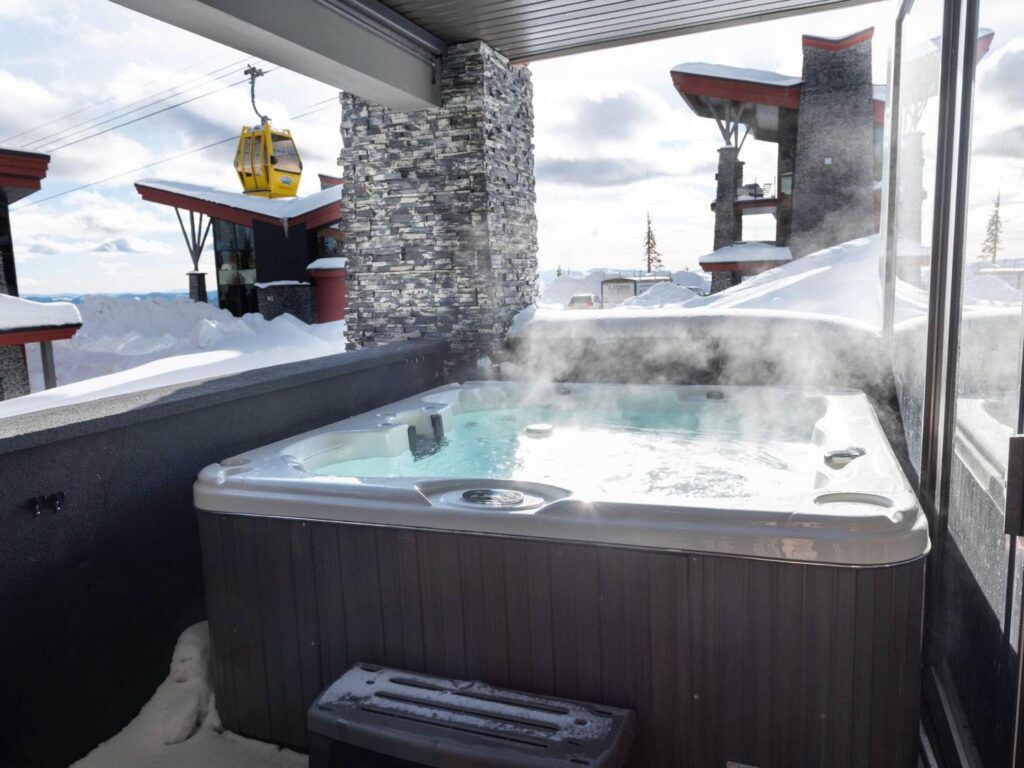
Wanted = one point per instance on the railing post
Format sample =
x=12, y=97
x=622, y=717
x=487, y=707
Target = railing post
x=49, y=371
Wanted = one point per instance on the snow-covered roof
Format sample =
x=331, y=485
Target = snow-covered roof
x=328, y=262
x=736, y=73
x=18, y=314
x=281, y=283
x=752, y=251
x=279, y=208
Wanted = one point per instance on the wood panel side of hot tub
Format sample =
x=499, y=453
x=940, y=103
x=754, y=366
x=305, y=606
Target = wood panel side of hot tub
x=722, y=659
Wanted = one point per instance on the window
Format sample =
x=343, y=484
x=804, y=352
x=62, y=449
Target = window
x=286, y=155
x=257, y=154
x=916, y=146
x=236, y=267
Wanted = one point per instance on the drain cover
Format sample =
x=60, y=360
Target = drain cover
x=493, y=497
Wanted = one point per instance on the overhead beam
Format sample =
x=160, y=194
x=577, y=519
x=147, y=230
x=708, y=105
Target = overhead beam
x=358, y=46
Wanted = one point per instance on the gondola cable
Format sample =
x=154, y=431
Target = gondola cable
x=37, y=144
x=192, y=151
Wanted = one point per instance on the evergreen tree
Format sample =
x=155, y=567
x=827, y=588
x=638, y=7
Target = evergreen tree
x=993, y=232
x=651, y=253
x=558, y=272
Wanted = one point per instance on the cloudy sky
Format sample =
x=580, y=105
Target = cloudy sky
x=613, y=139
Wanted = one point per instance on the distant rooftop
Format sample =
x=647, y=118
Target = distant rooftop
x=746, y=253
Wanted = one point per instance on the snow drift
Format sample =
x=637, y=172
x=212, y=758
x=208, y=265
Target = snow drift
x=128, y=345
x=814, y=321
x=180, y=727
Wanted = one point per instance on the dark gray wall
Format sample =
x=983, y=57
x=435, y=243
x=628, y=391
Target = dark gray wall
x=974, y=635
x=296, y=300
x=833, y=186
x=95, y=595
x=280, y=256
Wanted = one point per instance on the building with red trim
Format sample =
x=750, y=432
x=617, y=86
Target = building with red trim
x=827, y=125
x=21, y=174
x=25, y=322
x=261, y=246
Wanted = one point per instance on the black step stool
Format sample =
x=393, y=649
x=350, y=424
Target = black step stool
x=374, y=717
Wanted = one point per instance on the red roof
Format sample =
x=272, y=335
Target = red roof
x=234, y=208
x=728, y=89
x=21, y=173
x=838, y=43
x=35, y=335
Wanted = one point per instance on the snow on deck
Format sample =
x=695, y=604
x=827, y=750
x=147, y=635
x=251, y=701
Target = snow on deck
x=747, y=252
x=20, y=314
x=278, y=208
x=179, y=726
x=129, y=345
x=725, y=72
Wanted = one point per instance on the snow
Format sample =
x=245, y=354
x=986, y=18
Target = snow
x=660, y=295
x=279, y=207
x=699, y=281
x=988, y=289
x=561, y=288
x=17, y=313
x=277, y=283
x=329, y=262
x=556, y=290
x=736, y=73
x=179, y=726
x=838, y=285
x=745, y=252
x=127, y=345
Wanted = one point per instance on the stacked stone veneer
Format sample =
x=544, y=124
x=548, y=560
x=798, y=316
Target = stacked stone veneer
x=833, y=192
x=438, y=209
x=13, y=367
x=728, y=220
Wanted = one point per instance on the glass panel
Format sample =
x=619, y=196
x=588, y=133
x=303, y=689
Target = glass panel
x=246, y=154
x=236, y=267
x=286, y=154
x=981, y=574
x=257, y=154
x=916, y=146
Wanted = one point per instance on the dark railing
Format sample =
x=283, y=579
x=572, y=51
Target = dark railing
x=99, y=549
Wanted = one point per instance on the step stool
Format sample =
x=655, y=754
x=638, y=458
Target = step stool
x=374, y=717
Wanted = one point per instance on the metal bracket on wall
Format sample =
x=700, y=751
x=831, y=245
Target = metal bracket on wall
x=1014, y=514
x=55, y=501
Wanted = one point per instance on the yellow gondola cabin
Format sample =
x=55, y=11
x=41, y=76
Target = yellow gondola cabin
x=267, y=162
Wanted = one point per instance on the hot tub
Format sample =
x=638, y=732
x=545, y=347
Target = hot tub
x=742, y=566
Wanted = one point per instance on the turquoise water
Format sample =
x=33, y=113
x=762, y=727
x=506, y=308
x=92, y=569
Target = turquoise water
x=697, y=450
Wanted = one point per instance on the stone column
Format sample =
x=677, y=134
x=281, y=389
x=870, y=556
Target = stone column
x=833, y=185
x=13, y=366
x=438, y=209
x=728, y=221
x=13, y=372
x=197, y=286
